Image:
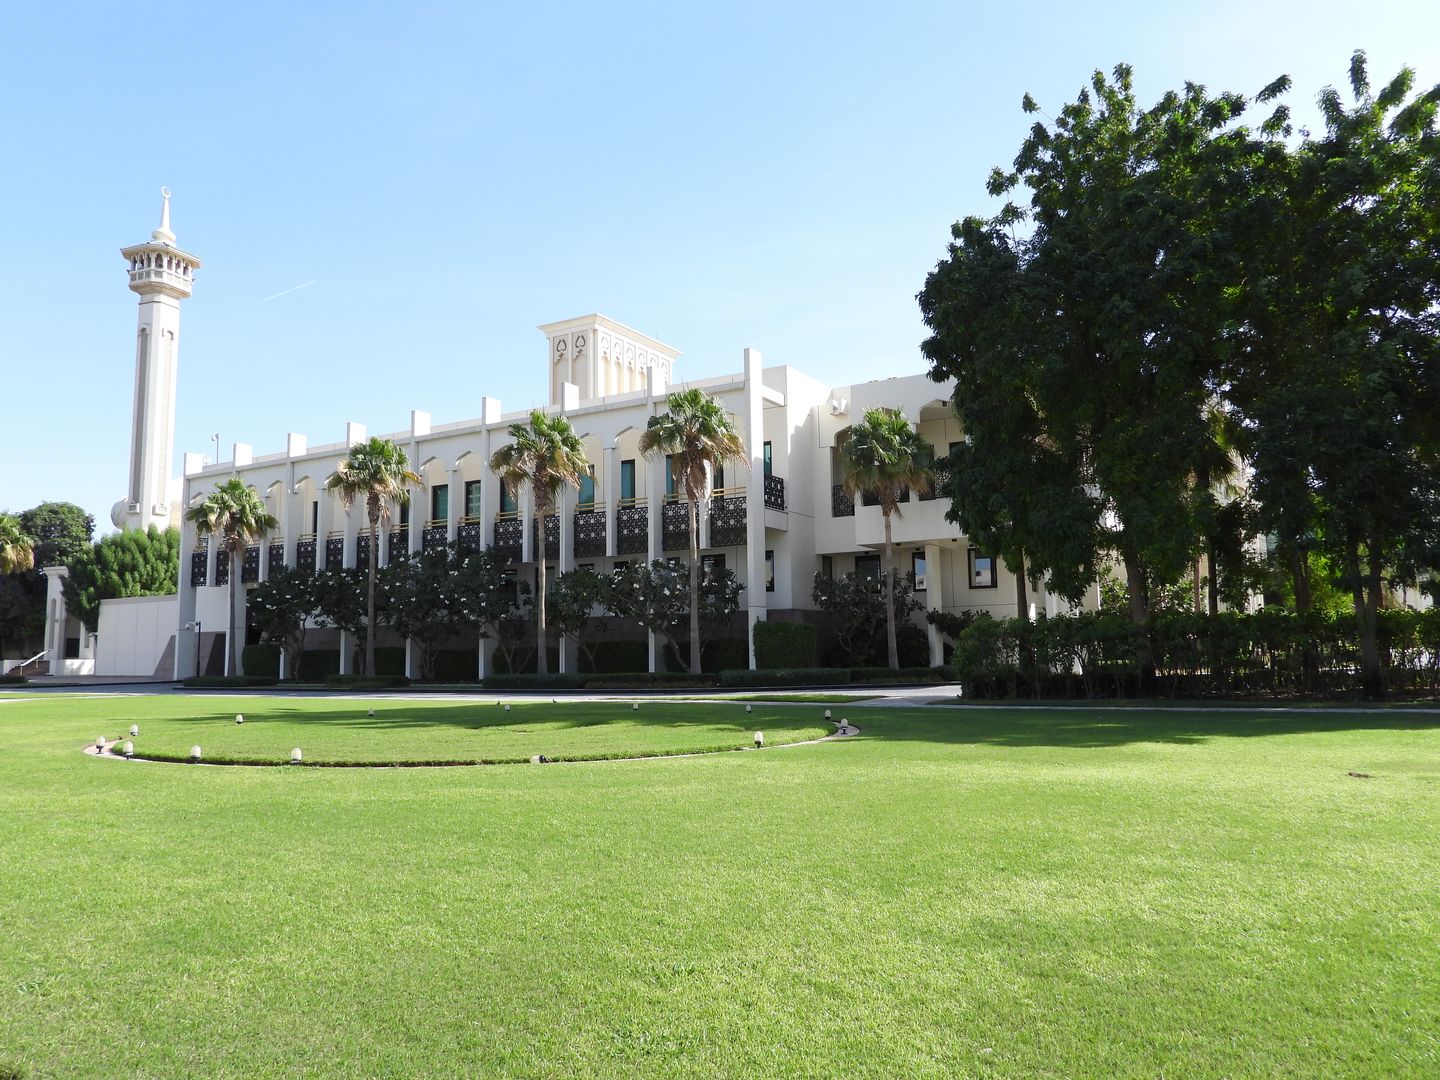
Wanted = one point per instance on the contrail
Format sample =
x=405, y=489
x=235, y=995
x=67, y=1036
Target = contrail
x=285, y=292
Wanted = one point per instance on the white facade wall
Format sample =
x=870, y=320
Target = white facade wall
x=137, y=636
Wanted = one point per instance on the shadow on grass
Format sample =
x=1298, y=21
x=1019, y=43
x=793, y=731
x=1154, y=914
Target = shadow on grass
x=1106, y=728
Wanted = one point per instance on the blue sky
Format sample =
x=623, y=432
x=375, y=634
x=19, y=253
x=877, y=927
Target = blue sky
x=441, y=177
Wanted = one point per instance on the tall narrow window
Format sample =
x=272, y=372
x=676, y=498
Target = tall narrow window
x=711, y=563
x=440, y=502
x=827, y=567
x=718, y=480
x=917, y=568
x=627, y=480
x=982, y=571
x=670, y=475
x=507, y=500
x=769, y=571
x=587, y=489
x=474, y=505
x=867, y=566
x=768, y=458
x=405, y=513
x=315, y=517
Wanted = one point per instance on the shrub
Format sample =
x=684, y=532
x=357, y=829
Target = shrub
x=316, y=665
x=528, y=680
x=228, y=682
x=262, y=659
x=613, y=656
x=457, y=665
x=12, y=680
x=784, y=644
x=900, y=675
x=367, y=682
x=786, y=677
x=647, y=680
x=389, y=661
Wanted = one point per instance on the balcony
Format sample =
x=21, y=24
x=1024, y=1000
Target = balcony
x=632, y=528
x=335, y=551
x=552, y=536
x=305, y=554
x=939, y=477
x=589, y=531
x=277, y=558
x=775, y=493
x=198, y=558
x=509, y=537
x=222, y=567
x=470, y=536
x=399, y=545
x=250, y=565
x=675, y=526
x=727, y=518
x=436, y=534
x=362, y=551
x=841, y=502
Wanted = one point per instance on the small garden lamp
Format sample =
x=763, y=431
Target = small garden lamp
x=759, y=740
x=295, y=756
x=195, y=753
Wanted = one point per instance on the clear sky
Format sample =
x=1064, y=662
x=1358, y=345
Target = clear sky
x=389, y=197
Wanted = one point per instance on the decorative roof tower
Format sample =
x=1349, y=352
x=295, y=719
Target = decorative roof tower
x=162, y=275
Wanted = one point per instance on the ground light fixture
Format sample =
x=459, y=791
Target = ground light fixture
x=507, y=706
x=295, y=756
x=747, y=710
x=370, y=712
x=827, y=714
x=239, y=718
x=99, y=742
x=759, y=740
x=634, y=706
x=134, y=730
x=195, y=753
x=129, y=749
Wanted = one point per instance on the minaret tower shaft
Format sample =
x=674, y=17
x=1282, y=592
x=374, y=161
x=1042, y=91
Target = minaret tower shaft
x=162, y=275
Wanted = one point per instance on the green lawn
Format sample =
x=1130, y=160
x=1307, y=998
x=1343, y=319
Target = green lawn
x=966, y=893
x=408, y=730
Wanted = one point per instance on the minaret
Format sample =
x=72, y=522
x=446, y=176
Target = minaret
x=162, y=275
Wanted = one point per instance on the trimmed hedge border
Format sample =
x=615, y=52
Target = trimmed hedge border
x=13, y=680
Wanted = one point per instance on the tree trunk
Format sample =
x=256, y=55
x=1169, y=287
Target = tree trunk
x=1022, y=599
x=1299, y=576
x=1367, y=602
x=891, y=649
x=232, y=638
x=542, y=661
x=1195, y=585
x=1140, y=616
x=370, y=596
x=694, y=584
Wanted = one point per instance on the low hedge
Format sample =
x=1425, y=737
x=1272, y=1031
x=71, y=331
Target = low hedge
x=367, y=682
x=262, y=660
x=12, y=680
x=228, y=682
x=784, y=645
x=317, y=665
x=786, y=677
x=529, y=680
x=645, y=680
x=901, y=675
x=457, y=665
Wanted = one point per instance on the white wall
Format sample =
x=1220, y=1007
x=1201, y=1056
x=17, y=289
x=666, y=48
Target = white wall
x=135, y=633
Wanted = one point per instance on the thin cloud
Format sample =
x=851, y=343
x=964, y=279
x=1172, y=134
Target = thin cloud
x=285, y=292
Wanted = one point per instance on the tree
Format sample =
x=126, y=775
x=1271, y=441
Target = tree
x=129, y=563
x=856, y=605
x=425, y=600
x=61, y=532
x=17, y=547
x=22, y=611
x=573, y=603
x=377, y=472
x=883, y=457
x=657, y=596
x=343, y=599
x=235, y=515
x=696, y=433
x=281, y=606
x=544, y=455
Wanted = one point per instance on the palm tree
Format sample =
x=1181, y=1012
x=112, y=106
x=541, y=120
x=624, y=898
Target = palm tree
x=695, y=431
x=377, y=471
x=544, y=454
x=881, y=457
x=17, y=550
x=236, y=514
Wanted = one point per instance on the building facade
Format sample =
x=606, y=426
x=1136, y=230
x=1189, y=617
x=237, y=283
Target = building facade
x=775, y=520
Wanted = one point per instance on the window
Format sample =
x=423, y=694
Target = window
x=405, y=513
x=827, y=567
x=982, y=571
x=767, y=458
x=474, y=507
x=670, y=476
x=627, y=480
x=867, y=566
x=587, y=489
x=711, y=563
x=585, y=566
x=769, y=571
x=917, y=567
x=507, y=500
x=439, y=502
x=621, y=565
x=315, y=517
x=718, y=479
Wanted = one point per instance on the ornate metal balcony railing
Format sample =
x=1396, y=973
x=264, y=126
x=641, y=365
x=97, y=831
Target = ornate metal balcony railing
x=222, y=567
x=305, y=555
x=470, y=536
x=632, y=529
x=434, y=536
x=841, y=502
x=334, y=552
x=774, y=493
x=871, y=499
x=675, y=526
x=250, y=565
x=552, y=536
x=939, y=476
x=362, y=551
x=727, y=520
x=509, y=538
x=399, y=545
x=589, y=532
x=198, y=558
x=277, y=558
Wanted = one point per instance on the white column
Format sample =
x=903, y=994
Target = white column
x=754, y=500
x=935, y=597
x=456, y=503
x=610, y=493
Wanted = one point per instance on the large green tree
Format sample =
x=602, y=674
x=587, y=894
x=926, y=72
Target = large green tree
x=883, y=456
x=696, y=434
x=61, y=532
x=544, y=455
x=128, y=563
x=234, y=515
x=17, y=547
x=378, y=473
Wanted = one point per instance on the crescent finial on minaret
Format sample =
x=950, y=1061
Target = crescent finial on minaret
x=163, y=233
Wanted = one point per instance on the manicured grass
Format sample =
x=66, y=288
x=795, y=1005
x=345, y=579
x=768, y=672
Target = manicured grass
x=950, y=893
x=407, y=730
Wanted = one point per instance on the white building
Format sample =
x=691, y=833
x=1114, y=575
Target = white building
x=775, y=523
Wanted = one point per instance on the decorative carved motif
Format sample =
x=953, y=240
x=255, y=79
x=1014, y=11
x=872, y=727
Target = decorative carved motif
x=509, y=538
x=277, y=557
x=305, y=556
x=399, y=545
x=362, y=551
x=675, y=526
x=841, y=503
x=632, y=530
x=939, y=476
x=552, y=536
x=250, y=565
x=774, y=493
x=470, y=536
x=589, y=532
x=334, y=552
x=433, y=536
x=222, y=567
x=727, y=521
x=197, y=566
